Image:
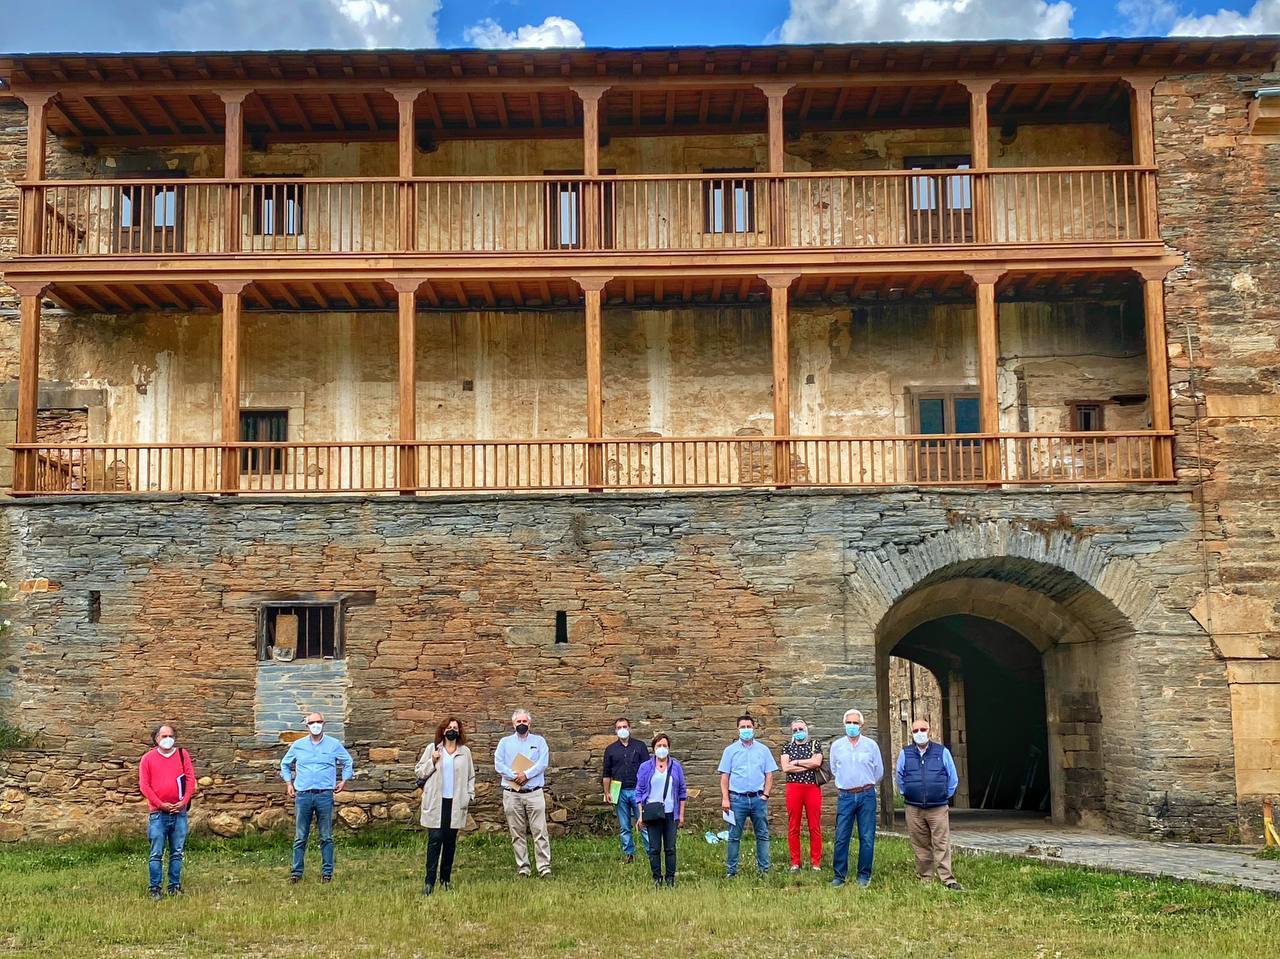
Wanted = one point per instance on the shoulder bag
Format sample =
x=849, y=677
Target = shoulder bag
x=656, y=811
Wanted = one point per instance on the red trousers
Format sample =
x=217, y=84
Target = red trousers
x=806, y=798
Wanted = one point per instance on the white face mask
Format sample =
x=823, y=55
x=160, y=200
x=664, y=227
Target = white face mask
x=662, y=752
x=920, y=738
x=624, y=733
x=166, y=743
x=316, y=728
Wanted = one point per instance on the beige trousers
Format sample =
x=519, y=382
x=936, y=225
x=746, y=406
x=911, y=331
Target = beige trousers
x=527, y=814
x=930, y=833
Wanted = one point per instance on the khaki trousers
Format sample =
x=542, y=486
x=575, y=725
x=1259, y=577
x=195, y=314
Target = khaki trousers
x=527, y=814
x=930, y=833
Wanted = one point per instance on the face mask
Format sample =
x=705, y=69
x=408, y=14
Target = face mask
x=624, y=734
x=921, y=738
x=800, y=735
x=853, y=729
x=522, y=729
x=746, y=735
x=451, y=734
x=166, y=742
x=662, y=752
x=316, y=728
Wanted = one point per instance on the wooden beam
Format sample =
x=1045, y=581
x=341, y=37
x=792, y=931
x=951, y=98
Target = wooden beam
x=1158, y=363
x=24, y=474
x=407, y=313
x=779, y=284
x=988, y=369
x=775, y=94
x=592, y=287
x=232, y=294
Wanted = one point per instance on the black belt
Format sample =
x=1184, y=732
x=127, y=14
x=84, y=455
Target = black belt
x=314, y=790
x=748, y=795
x=532, y=789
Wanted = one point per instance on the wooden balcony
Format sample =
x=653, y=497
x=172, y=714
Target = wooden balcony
x=909, y=211
x=660, y=463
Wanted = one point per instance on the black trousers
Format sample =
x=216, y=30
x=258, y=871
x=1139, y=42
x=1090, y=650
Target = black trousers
x=440, y=845
x=662, y=835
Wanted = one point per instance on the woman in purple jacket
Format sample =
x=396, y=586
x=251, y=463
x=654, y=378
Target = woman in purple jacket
x=660, y=780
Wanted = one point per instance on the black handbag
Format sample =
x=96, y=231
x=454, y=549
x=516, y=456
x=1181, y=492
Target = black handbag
x=657, y=811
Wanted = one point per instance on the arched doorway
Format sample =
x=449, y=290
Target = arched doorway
x=1035, y=679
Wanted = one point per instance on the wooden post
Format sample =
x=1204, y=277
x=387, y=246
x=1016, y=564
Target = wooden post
x=1142, y=130
x=775, y=94
x=779, y=284
x=592, y=290
x=33, y=197
x=1158, y=364
x=988, y=380
x=24, y=463
x=406, y=291
x=232, y=169
x=590, y=94
x=980, y=156
x=232, y=293
x=406, y=99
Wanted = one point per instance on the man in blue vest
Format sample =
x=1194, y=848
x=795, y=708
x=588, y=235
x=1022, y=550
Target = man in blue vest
x=926, y=778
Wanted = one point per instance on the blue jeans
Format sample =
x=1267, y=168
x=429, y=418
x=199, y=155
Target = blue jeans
x=320, y=805
x=851, y=807
x=627, y=817
x=757, y=810
x=166, y=829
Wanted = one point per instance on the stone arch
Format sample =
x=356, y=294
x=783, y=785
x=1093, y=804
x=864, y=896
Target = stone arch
x=1078, y=607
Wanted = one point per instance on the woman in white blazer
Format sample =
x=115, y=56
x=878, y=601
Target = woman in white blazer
x=448, y=780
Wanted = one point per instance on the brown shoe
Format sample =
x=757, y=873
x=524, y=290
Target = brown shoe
x=631, y=859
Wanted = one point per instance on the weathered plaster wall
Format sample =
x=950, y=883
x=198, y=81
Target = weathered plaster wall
x=682, y=610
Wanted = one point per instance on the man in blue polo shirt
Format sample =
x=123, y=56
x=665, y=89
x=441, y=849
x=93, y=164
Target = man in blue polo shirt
x=746, y=779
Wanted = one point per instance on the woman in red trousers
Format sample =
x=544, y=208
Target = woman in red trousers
x=800, y=757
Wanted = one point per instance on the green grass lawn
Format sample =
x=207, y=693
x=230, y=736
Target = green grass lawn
x=90, y=900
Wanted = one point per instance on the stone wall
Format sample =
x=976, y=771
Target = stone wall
x=682, y=610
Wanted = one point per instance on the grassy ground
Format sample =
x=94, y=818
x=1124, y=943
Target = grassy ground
x=89, y=900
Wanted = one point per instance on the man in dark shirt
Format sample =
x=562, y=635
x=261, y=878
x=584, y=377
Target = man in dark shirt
x=621, y=761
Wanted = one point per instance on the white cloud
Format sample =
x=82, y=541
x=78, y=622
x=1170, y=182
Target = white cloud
x=817, y=21
x=1148, y=18
x=1263, y=17
x=551, y=32
x=299, y=24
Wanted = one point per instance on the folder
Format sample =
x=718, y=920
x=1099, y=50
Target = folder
x=520, y=764
x=615, y=790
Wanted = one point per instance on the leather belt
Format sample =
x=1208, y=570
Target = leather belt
x=532, y=789
x=859, y=789
x=748, y=795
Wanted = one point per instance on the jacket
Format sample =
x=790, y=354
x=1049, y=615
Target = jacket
x=464, y=787
x=644, y=778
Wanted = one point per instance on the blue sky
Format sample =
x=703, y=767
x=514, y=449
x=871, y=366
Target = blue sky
x=141, y=25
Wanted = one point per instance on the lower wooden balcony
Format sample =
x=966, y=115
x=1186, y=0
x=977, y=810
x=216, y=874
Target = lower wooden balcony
x=637, y=463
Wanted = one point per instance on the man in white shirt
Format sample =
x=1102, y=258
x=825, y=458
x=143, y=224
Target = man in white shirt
x=521, y=760
x=856, y=767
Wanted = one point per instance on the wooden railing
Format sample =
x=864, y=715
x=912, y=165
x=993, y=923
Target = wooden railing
x=874, y=209
x=567, y=464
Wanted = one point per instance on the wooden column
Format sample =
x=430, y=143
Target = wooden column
x=980, y=156
x=24, y=463
x=1142, y=130
x=775, y=94
x=406, y=99
x=1158, y=364
x=406, y=293
x=988, y=363
x=232, y=293
x=592, y=290
x=779, y=284
x=33, y=199
x=232, y=169
x=590, y=95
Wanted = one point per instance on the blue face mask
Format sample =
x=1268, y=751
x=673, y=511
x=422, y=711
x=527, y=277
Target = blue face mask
x=800, y=735
x=746, y=735
x=853, y=729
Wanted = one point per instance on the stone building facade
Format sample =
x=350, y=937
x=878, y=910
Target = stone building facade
x=1139, y=622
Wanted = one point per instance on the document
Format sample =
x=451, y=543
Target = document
x=615, y=790
x=520, y=764
x=729, y=817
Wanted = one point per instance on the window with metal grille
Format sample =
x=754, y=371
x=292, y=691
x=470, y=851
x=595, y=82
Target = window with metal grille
x=1086, y=418
x=263, y=426
x=728, y=203
x=293, y=631
x=277, y=209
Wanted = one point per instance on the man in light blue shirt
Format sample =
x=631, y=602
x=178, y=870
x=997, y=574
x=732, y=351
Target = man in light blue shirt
x=746, y=779
x=856, y=768
x=310, y=772
x=521, y=760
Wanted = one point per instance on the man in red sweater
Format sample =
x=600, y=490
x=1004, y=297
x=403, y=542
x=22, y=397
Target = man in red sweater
x=168, y=780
